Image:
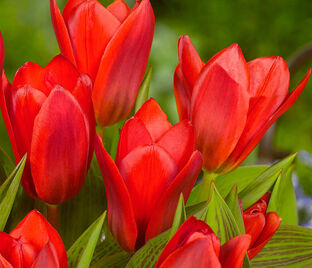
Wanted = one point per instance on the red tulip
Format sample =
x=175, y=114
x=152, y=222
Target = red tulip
x=111, y=45
x=155, y=162
x=48, y=114
x=34, y=243
x=196, y=245
x=231, y=103
x=260, y=225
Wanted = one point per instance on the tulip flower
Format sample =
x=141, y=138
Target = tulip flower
x=260, y=225
x=231, y=103
x=48, y=115
x=111, y=45
x=196, y=245
x=155, y=163
x=34, y=243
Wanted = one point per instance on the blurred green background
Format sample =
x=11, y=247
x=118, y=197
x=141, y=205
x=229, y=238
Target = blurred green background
x=260, y=27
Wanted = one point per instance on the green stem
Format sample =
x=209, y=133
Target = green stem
x=205, y=186
x=53, y=215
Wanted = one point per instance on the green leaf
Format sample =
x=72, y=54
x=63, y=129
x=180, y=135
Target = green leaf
x=179, y=217
x=147, y=256
x=6, y=165
x=8, y=192
x=143, y=93
x=81, y=252
x=283, y=199
x=118, y=259
x=291, y=246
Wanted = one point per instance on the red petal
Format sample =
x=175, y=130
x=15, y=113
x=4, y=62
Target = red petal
x=61, y=32
x=239, y=154
x=254, y=223
x=90, y=27
x=147, y=172
x=70, y=5
x=132, y=135
x=61, y=72
x=119, y=9
x=179, y=142
x=233, y=251
x=35, y=229
x=190, y=62
x=219, y=114
x=121, y=218
x=272, y=223
x=8, y=251
x=154, y=119
x=123, y=65
x=162, y=218
x=59, y=149
x=4, y=263
x=47, y=258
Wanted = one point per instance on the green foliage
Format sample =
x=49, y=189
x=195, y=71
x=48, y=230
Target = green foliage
x=179, y=217
x=143, y=93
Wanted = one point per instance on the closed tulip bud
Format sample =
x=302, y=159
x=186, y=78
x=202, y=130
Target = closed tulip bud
x=34, y=243
x=48, y=114
x=155, y=163
x=231, y=103
x=260, y=225
x=196, y=245
x=111, y=45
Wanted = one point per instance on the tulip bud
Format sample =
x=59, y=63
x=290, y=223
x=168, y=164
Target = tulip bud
x=111, y=45
x=34, y=243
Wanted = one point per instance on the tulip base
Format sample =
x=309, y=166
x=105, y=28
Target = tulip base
x=53, y=215
x=205, y=186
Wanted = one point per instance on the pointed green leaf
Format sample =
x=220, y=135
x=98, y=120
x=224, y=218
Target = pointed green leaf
x=8, y=192
x=290, y=247
x=81, y=252
x=179, y=217
x=143, y=93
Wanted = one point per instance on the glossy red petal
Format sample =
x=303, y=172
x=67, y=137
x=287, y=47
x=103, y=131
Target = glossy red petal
x=179, y=142
x=133, y=134
x=61, y=32
x=47, y=258
x=69, y=7
x=190, y=62
x=147, y=171
x=162, y=218
x=123, y=65
x=120, y=215
x=254, y=223
x=61, y=72
x=119, y=9
x=239, y=154
x=8, y=250
x=59, y=149
x=4, y=263
x=154, y=119
x=233, y=251
x=273, y=221
x=91, y=26
x=219, y=114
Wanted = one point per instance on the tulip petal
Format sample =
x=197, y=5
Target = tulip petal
x=90, y=27
x=162, y=218
x=179, y=142
x=240, y=153
x=147, y=172
x=233, y=251
x=273, y=221
x=121, y=218
x=7, y=250
x=59, y=148
x=123, y=65
x=61, y=32
x=254, y=223
x=70, y=5
x=4, y=263
x=47, y=258
x=154, y=119
x=219, y=114
x=119, y=9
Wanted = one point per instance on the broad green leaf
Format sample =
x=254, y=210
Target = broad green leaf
x=118, y=259
x=147, y=256
x=290, y=247
x=143, y=93
x=179, y=217
x=196, y=209
x=8, y=192
x=81, y=252
x=283, y=199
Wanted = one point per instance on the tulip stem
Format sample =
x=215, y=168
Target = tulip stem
x=205, y=186
x=53, y=215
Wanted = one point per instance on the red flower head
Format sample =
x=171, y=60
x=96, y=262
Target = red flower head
x=196, y=245
x=111, y=45
x=155, y=162
x=230, y=102
x=48, y=114
x=34, y=243
x=260, y=225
